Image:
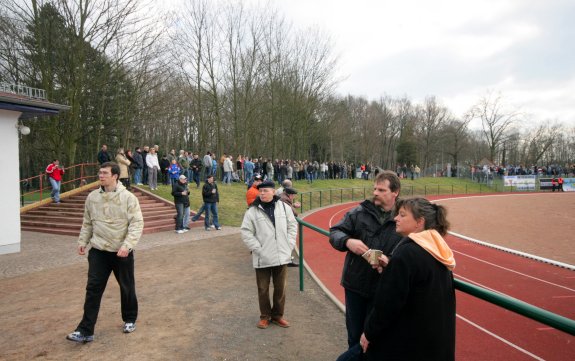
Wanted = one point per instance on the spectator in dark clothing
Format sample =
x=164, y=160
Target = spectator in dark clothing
x=211, y=199
x=103, y=155
x=165, y=168
x=138, y=166
x=369, y=226
x=182, y=202
x=413, y=317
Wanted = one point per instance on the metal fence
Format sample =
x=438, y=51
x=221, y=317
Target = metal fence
x=320, y=198
x=509, y=303
x=26, y=91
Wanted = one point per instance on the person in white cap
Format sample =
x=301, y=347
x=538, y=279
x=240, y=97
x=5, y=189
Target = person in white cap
x=182, y=201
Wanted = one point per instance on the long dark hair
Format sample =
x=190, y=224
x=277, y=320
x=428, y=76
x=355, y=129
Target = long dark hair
x=435, y=215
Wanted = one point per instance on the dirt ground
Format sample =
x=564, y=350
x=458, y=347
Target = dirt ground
x=197, y=291
x=542, y=224
x=197, y=297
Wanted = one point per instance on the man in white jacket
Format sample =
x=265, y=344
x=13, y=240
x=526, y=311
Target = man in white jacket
x=269, y=230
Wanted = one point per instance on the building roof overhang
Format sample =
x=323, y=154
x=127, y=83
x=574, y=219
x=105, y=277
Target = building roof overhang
x=29, y=107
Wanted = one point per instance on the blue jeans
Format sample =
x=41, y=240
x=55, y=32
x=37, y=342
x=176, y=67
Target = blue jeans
x=248, y=176
x=137, y=176
x=309, y=177
x=200, y=211
x=354, y=353
x=182, y=216
x=207, y=172
x=357, y=308
x=227, y=178
x=55, y=194
x=213, y=209
x=196, y=177
x=186, y=217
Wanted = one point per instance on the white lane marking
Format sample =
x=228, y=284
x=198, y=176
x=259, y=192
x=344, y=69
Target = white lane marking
x=339, y=212
x=514, y=271
x=493, y=195
x=480, y=284
x=509, y=343
x=515, y=252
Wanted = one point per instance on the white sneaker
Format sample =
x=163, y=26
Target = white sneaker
x=129, y=327
x=77, y=336
x=185, y=230
x=212, y=226
x=180, y=231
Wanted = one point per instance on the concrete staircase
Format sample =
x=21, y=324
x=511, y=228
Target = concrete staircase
x=66, y=218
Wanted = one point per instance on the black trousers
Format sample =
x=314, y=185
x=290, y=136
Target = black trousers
x=100, y=265
x=357, y=308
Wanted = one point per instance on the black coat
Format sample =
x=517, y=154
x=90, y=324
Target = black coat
x=138, y=160
x=413, y=317
x=207, y=195
x=196, y=164
x=179, y=198
x=363, y=222
x=104, y=157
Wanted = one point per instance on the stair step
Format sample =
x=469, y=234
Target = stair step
x=50, y=225
x=65, y=232
x=66, y=218
x=52, y=218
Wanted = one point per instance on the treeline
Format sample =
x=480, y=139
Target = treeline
x=227, y=77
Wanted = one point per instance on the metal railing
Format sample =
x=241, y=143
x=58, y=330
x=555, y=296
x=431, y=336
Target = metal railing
x=33, y=189
x=325, y=197
x=509, y=303
x=29, y=92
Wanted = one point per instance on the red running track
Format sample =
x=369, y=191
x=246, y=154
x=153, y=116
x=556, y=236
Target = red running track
x=484, y=331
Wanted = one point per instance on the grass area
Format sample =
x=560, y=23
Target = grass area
x=324, y=192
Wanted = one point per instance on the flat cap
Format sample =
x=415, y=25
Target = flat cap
x=266, y=184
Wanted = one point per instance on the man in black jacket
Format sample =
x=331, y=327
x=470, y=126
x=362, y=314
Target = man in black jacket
x=182, y=202
x=103, y=155
x=139, y=165
x=196, y=167
x=211, y=199
x=368, y=226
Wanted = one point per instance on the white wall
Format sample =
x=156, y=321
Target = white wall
x=9, y=183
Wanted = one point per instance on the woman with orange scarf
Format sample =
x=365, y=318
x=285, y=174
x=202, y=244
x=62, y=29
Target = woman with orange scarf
x=413, y=317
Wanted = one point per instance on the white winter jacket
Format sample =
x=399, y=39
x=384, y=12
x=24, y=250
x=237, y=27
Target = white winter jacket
x=270, y=246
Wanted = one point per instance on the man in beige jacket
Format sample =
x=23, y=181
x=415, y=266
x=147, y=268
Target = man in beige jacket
x=112, y=225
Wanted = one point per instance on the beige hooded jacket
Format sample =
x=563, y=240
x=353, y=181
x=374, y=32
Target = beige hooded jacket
x=111, y=220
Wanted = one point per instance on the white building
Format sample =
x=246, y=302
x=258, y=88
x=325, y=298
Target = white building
x=16, y=103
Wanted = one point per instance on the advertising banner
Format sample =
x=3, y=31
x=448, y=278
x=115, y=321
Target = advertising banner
x=545, y=183
x=521, y=182
x=569, y=184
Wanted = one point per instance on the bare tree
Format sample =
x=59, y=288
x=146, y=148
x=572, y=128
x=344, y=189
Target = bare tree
x=496, y=120
x=456, y=136
x=431, y=116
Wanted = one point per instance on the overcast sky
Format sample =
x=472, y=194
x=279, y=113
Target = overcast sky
x=457, y=50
